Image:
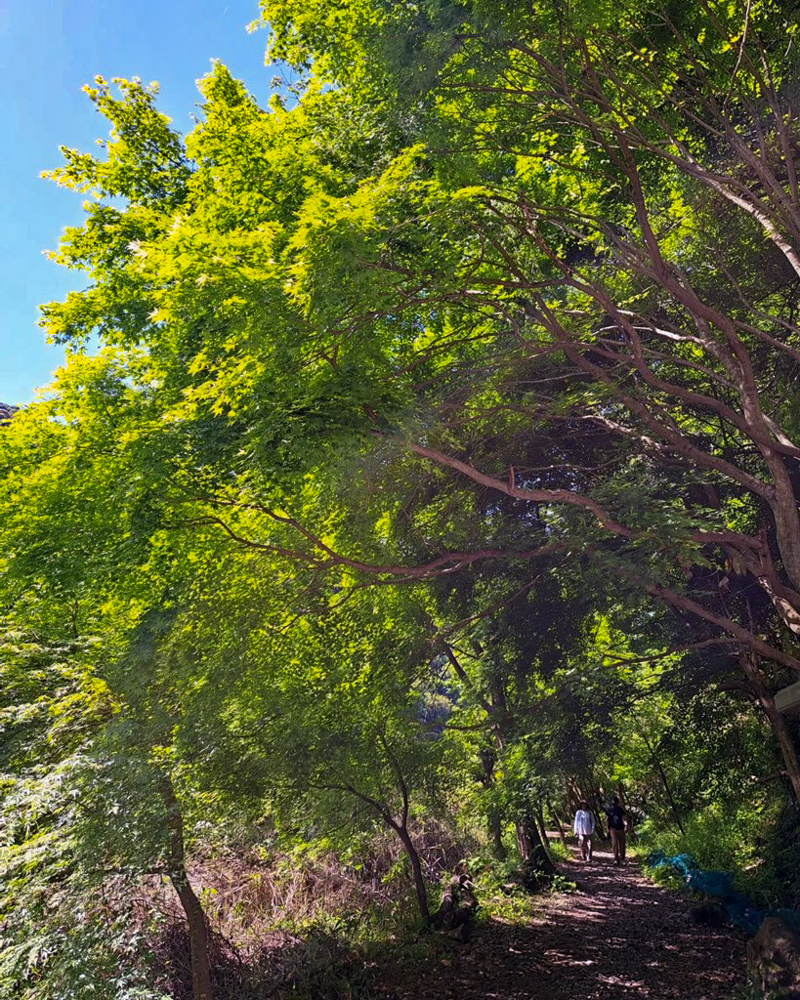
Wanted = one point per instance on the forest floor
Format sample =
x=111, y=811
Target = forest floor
x=618, y=936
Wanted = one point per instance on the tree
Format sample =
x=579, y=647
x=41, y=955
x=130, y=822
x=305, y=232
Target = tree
x=619, y=169
x=59, y=935
x=347, y=269
x=329, y=721
x=469, y=314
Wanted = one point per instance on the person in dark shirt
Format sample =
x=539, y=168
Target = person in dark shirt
x=616, y=828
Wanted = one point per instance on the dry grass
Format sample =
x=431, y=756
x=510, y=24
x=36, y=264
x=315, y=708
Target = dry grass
x=293, y=923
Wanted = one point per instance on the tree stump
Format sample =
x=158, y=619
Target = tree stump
x=457, y=908
x=773, y=957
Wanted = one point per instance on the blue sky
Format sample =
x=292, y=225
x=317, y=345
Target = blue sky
x=48, y=50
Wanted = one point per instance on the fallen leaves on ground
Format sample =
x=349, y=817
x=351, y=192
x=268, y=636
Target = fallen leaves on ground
x=618, y=936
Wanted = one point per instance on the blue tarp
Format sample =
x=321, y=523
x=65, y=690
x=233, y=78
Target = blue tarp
x=740, y=911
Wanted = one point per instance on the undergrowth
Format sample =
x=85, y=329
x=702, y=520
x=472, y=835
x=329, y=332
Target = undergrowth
x=757, y=846
x=312, y=922
x=558, y=851
x=303, y=923
x=500, y=892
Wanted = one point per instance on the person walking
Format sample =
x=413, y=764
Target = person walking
x=616, y=828
x=584, y=828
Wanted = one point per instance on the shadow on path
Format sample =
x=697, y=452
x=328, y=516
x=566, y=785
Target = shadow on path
x=619, y=936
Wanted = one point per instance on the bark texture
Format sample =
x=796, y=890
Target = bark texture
x=195, y=917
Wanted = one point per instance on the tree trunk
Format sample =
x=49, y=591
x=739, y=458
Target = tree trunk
x=494, y=817
x=624, y=803
x=559, y=824
x=195, y=917
x=599, y=829
x=416, y=870
x=198, y=938
x=541, y=826
x=776, y=720
x=787, y=521
x=592, y=794
x=495, y=825
x=531, y=849
x=574, y=795
x=664, y=781
x=785, y=742
x=457, y=909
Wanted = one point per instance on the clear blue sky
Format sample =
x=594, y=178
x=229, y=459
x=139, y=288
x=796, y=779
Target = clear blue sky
x=48, y=50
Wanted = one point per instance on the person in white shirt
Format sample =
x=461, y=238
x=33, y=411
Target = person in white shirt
x=584, y=828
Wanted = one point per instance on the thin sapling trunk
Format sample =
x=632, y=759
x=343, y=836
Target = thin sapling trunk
x=195, y=917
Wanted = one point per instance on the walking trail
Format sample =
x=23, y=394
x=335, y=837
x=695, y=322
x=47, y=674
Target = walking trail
x=619, y=936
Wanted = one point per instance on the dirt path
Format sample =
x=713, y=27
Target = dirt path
x=619, y=936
